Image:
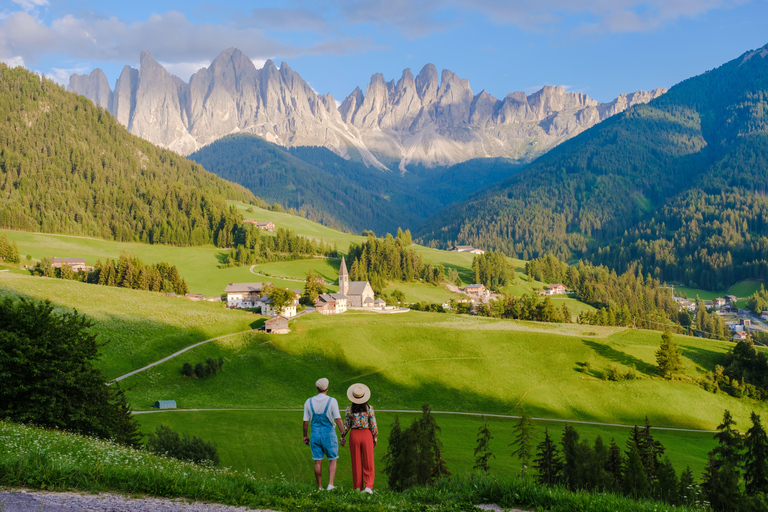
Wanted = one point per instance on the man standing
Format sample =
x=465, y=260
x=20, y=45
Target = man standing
x=323, y=411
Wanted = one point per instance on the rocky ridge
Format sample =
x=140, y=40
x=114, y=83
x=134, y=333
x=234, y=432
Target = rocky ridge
x=422, y=119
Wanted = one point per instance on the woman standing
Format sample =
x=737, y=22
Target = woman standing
x=360, y=423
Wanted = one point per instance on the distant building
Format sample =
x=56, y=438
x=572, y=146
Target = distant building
x=264, y=226
x=268, y=309
x=277, y=325
x=379, y=303
x=244, y=295
x=718, y=302
x=195, y=296
x=731, y=299
x=466, y=248
x=77, y=264
x=331, y=303
x=764, y=315
x=740, y=336
x=476, y=291
x=357, y=292
x=556, y=289
x=165, y=404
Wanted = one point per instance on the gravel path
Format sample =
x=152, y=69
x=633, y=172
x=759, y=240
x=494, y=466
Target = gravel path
x=39, y=501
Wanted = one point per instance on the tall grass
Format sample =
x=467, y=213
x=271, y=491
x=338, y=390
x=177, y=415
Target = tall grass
x=44, y=459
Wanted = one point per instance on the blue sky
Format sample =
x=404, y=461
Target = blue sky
x=599, y=47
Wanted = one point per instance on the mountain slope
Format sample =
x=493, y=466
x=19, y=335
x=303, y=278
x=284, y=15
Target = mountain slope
x=636, y=173
x=339, y=192
x=66, y=166
x=423, y=120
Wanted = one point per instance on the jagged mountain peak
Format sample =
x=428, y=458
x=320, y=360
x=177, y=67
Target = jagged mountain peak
x=430, y=118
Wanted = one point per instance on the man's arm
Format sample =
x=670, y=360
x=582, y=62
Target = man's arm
x=341, y=428
x=305, y=425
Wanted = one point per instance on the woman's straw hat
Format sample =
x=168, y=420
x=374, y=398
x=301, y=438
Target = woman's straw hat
x=358, y=393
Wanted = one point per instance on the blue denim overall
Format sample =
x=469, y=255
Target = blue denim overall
x=324, y=441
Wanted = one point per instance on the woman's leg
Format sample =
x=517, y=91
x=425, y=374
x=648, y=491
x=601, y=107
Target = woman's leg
x=355, y=451
x=368, y=470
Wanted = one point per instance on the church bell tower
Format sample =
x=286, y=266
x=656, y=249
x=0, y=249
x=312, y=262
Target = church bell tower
x=343, y=277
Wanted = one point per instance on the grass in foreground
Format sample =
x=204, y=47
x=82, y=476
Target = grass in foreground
x=269, y=442
x=42, y=459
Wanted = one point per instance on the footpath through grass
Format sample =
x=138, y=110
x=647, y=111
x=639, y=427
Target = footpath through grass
x=50, y=460
x=138, y=327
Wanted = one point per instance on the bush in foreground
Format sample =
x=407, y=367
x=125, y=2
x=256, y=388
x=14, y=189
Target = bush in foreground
x=37, y=458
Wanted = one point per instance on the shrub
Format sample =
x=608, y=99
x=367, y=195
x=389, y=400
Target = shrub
x=187, y=370
x=164, y=441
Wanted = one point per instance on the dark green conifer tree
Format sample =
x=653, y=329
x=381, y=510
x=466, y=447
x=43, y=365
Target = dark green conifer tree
x=524, y=431
x=634, y=480
x=483, y=452
x=548, y=462
x=756, y=458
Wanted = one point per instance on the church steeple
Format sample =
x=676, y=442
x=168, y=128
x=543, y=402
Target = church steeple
x=343, y=277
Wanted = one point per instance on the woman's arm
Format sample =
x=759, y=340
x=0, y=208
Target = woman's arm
x=372, y=425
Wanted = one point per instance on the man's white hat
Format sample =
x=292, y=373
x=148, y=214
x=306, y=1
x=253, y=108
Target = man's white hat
x=322, y=384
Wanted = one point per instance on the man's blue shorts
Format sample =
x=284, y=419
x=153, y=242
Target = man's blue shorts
x=324, y=443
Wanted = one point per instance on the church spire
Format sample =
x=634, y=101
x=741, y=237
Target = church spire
x=343, y=277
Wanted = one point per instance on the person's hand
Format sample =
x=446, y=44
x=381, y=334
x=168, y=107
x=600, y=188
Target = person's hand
x=306, y=440
x=343, y=440
x=374, y=443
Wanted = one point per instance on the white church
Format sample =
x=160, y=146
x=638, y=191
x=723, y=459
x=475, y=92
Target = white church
x=359, y=293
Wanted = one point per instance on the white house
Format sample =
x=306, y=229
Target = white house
x=556, y=289
x=331, y=303
x=244, y=295
x=267, y=309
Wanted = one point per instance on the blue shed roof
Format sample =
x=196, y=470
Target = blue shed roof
x=165, y=404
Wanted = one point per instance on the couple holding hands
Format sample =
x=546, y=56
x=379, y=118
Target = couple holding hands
x=322, y=411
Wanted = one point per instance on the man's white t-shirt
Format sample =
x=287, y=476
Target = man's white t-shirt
x=319, y=402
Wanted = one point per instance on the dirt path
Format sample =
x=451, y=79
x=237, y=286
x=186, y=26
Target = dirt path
x=134, y=372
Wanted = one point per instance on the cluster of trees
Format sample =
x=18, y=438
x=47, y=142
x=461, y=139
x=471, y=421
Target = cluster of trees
x=125, y=272
x=49, y=378
x=250, y=246
x=203, y=370
x=379, y=260
x=744, y=372
x=492, y=269
x=757, y=302
x=706, y=324
x=9, y=253
x=414, y=455
x=67, y=166
x=164, y=441
x=527, y=307
x=621, y=299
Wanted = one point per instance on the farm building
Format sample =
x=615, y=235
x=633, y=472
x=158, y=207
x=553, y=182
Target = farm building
x=466, y=248
x=731, y=299
x=77, y=264
x=556, y=289
x=476, y=291
x=165, y=404
x=718, y=302
x=331, y=303
x=264, y=226
x=277, y=325
x=265, y=303
x=244, y=295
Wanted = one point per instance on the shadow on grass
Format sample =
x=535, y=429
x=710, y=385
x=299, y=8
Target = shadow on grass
x=620, y=357
x=706, y=359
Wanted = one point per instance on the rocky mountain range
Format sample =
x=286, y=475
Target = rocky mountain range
x=424, y=119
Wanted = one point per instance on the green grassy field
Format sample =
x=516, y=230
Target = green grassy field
x=742, y=290
x=269, y=442
x=140, y=327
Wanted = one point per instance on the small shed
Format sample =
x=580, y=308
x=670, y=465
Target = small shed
x=731, y=299
x=379, y=303
x=277, y=325
x=165, y=404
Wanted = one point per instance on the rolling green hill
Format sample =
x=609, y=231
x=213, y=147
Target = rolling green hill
x=677, y=185
x=66, y=166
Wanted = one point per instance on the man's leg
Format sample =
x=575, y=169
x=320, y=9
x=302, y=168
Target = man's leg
x=319, y=472
x=331, y=471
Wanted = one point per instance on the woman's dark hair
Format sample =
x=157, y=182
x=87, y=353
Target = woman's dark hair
x=356, y=408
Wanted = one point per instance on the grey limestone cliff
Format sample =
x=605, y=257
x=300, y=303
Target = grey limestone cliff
x=430, y=118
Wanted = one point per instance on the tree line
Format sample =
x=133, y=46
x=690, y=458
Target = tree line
x=125, y=272
x=250, y=246
x=379, y=260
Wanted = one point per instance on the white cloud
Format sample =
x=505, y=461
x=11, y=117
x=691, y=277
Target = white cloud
x=61, y=76
x=30, y=5
x=14, y=62
x=184, y=70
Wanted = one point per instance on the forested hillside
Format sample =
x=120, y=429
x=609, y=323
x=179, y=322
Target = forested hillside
x=677, y=185
x=345, y=193
x=66, y=166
